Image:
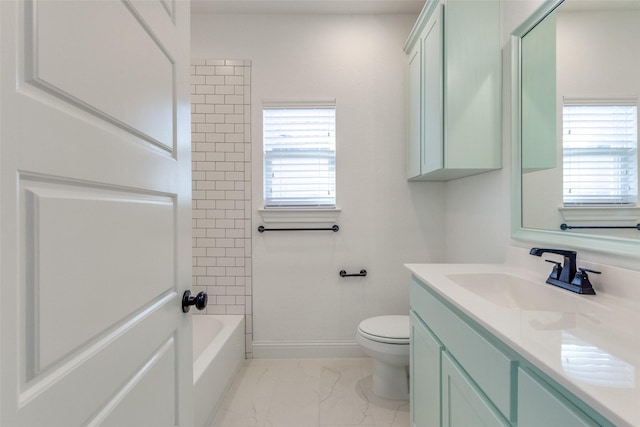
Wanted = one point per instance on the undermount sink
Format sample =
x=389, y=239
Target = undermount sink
x=515, y=292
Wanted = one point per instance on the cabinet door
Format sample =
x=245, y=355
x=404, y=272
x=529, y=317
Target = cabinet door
x=425, y=375
x=463, y=404
x=432, y=157
x=539, y=405
x=415, y=105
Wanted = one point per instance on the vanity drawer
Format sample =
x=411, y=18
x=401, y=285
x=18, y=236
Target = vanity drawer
x=489, y=367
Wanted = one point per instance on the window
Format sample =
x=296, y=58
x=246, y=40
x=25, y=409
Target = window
x=299, y=144
x=600, y=153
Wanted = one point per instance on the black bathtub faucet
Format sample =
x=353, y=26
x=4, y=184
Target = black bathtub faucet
x=567, y=275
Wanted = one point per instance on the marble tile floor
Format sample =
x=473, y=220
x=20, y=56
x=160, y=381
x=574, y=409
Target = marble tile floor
x=308, y=393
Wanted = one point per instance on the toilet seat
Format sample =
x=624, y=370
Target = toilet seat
x=386, y=329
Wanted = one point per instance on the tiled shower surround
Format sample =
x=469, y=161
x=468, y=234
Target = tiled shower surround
x=221, y=156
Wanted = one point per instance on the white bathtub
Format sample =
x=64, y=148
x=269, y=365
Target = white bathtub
x=218, y=352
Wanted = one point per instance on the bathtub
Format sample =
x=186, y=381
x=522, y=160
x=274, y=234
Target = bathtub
x=218, y=353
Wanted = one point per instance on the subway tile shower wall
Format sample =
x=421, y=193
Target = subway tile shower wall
x=221, y=156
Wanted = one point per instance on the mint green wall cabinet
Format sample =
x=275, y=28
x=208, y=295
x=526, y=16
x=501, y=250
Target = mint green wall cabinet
x=454, y=90
x=468, y=377
x=540, y=405
x=463, y=403
x=424, y=375
x=415, y=104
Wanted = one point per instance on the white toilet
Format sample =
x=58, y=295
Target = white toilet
x=386, y=340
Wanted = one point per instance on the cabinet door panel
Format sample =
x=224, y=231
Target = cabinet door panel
x=538, y=405
x=425, y=375
x=432, y=52
x=415, y=104
x=463, y=405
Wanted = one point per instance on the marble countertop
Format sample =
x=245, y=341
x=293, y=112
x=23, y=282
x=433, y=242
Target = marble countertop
x=592, y=347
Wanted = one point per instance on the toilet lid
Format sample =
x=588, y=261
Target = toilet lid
x=388, y=329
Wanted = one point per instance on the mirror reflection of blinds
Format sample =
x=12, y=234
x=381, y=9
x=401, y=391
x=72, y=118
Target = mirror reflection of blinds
x=299, y=157
x=600, y=154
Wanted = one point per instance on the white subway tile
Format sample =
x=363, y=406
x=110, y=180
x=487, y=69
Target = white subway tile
x=224, y=90
x=214, y=80
x=215, y=213
x=214, y=99
x=235, y=80
x=216, y=252
x=233, y=175
x=216, y=233
x=214, y=137
x=215, y=271
x=235, y=309
x=225, y=243
x=234, y=99
x=215, y=175
x=225, y=204
x=216, y=309
x=215, y=156
x=223, y=70
x=225, y=109
x=224, y=223
x=234, y=137
x=215, y=118
x=224, y=185
x=225, y=128
x=205, y=90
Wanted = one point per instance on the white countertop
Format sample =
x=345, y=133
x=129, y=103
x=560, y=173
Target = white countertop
x=594, y=352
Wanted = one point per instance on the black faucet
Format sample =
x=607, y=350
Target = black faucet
x=565, y=276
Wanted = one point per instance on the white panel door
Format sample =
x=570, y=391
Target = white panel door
x=95, y=213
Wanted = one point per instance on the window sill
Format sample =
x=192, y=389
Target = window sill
x=609, y=214
x=283, y=215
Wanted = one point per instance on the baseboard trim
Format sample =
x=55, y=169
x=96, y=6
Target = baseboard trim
x=306, y=349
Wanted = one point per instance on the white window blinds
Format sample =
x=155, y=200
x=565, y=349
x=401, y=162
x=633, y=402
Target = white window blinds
x=299, y=157
x=600, y=154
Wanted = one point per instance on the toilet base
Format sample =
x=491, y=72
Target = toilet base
x=390, y=381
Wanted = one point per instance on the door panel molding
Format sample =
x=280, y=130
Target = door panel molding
x=145, y=103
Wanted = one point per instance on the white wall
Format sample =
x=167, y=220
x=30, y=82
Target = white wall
x=299, y=301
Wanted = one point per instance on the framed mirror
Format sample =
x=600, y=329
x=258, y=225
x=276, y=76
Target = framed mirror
x=575, y=90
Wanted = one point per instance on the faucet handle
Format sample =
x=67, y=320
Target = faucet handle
x=582, y=280
x=557, y=269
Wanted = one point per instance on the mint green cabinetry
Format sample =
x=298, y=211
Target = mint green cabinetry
x=462, y=375
x=463, y=403
x=425, y=375
x=454, y=58
x=541, y=405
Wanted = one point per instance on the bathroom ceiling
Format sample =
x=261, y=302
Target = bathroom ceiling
x=305, y=6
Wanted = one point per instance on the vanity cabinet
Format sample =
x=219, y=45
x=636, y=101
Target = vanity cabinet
x=454, y=97
x=463, y=403
x=425, y=375
x=539, y=404
x=462, y=375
